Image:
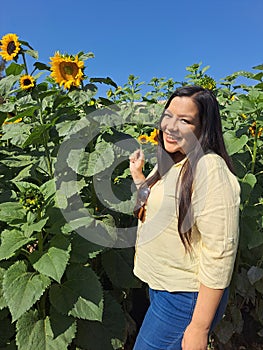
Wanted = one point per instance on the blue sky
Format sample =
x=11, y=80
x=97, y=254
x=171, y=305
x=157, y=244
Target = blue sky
x=142, y=37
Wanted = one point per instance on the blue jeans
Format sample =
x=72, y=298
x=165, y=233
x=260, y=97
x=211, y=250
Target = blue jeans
x=167, y=318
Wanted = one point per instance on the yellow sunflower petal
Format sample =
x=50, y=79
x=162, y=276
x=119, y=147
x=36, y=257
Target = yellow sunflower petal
x=143, y=139
x=67, y=70
x=153, y=138
x=10, y=46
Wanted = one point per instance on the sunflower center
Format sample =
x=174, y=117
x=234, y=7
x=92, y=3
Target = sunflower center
x=27, y=82
x=11, y=47
x=68, y=70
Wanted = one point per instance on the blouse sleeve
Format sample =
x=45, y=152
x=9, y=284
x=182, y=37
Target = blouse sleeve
x=216, y=199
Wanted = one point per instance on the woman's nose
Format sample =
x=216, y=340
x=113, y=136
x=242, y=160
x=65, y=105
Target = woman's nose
x=172, y=124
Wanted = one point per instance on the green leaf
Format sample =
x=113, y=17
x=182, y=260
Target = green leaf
x=16, y=133
x=80, y=296
x=247, y=184
x=11, y=211
x=36, y=136
x=35, y=333
x=22, y=289
x=24, y=186
x=224, y=331
x=107, y=81
x=32, y=53
x=256, y=239
x=53, y=263
x=84, y=56
x=41, y=66
x=99, y=160
x=11, y=241
x=3, y=303
x=28, y=228
x=14, y=69
x=233, y=143
x=48, y=188
x=16, y=161
x=79, y=97
x=106, y=335
x=260, y=67
x=82, y=249
x=255, y=274
x=118, y=264
x=7, y=83
x=6, y=107
x=73, y=225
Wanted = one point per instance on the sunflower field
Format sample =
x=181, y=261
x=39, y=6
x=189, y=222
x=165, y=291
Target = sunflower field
x=67, y=229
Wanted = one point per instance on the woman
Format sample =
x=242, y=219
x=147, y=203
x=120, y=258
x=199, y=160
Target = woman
x=188, y=229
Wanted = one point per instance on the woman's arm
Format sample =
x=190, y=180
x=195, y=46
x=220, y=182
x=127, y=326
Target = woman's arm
x=196, y=334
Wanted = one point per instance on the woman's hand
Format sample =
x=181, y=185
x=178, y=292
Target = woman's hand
x=136, y=166
x=195, y=338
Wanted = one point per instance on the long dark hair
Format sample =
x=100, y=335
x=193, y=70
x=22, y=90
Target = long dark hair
x=211, y=139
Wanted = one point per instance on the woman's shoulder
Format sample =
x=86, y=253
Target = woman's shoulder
x=212, y=160
x=213, y=167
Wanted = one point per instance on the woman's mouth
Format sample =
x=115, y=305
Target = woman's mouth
x=171, y=138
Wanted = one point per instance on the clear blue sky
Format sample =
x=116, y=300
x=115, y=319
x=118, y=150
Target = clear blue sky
x=142, y=37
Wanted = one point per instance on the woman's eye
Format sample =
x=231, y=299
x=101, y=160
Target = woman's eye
x=185, y=121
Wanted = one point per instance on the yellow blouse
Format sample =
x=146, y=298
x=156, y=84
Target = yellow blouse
x=160, y=258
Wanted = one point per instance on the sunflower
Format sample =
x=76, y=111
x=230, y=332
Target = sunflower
x=10, y=46
x=207, y=82
x=66, y=70
x=153, y=138
x=27, y=82
x=253, y=128
x=143, y=139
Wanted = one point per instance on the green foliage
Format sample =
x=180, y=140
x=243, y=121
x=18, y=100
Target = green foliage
x=66, y=195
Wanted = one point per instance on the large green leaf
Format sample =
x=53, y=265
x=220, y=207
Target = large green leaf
x=11, y=211
x=7, y=83
x=106, y=335
x=80, y=296
x=247, y=184
x=16, y=133
x=53, y=263
x=118, y=264
x=90, y=164
x=233, y=143
x=14, y=69
x=11, y=241
x=22, y=289
x=35, y=333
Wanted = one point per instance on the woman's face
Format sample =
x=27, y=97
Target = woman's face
x=180, y=125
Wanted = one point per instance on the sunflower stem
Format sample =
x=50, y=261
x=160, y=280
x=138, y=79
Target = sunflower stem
x=45, y=141
x=24, y=60
x=254, y=154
